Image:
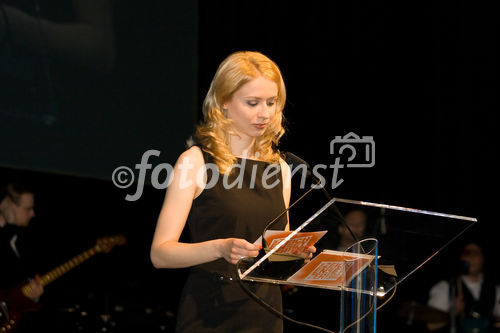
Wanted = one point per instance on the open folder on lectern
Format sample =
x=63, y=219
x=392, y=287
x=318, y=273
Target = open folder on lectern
x=400, y=240
x=327, y=269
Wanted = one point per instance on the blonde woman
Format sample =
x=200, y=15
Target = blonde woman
x=229, y=208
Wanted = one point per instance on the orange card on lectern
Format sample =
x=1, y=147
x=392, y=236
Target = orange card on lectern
x=296, y=244
x=332, y=268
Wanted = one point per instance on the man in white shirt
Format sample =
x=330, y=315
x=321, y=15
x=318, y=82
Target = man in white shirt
x=471, y=298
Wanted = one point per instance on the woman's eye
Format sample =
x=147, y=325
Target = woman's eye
x=252, y=103
x=271, y=103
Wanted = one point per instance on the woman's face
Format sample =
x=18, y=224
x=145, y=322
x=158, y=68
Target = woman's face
x=252, y=107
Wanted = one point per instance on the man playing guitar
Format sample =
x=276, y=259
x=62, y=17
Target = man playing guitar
x=16, y=212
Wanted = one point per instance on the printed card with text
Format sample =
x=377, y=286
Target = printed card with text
x=328, y=268
x=296, y=244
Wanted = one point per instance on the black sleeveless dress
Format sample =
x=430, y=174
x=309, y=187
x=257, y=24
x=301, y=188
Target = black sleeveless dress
x=212, y=299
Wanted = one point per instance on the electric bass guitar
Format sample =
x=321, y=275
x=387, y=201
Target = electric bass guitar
x=14, y=302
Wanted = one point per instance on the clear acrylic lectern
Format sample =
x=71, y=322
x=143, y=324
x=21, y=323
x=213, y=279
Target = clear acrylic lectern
x=393, y=243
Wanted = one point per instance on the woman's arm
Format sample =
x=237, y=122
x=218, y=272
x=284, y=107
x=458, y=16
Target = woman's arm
x=287, y=187
x=166, y=250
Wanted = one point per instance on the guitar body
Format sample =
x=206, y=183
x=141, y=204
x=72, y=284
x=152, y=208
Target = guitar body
x=13, y=305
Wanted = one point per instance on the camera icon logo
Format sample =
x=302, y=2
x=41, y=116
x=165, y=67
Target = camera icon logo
x=365, y=145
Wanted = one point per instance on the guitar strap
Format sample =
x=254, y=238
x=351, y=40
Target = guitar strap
x=11, y=258
x=13, y=246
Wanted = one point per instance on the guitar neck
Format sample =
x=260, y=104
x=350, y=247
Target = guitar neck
x=62, y=269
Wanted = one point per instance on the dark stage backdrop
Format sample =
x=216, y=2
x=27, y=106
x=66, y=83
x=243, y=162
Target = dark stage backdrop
x=420, y=79
x=66, y=123
x=132, y=88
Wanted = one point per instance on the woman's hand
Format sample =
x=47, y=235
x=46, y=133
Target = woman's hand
x=233, y=249
x=308, y=251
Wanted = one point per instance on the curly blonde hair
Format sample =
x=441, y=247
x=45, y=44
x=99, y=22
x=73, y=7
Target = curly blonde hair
x=214, y=132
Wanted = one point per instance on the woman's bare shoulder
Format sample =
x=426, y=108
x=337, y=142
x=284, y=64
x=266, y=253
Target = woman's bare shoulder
x=192, y=155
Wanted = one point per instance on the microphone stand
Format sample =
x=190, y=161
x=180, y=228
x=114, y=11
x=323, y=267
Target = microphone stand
x=291, y=156
x=264, y=243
